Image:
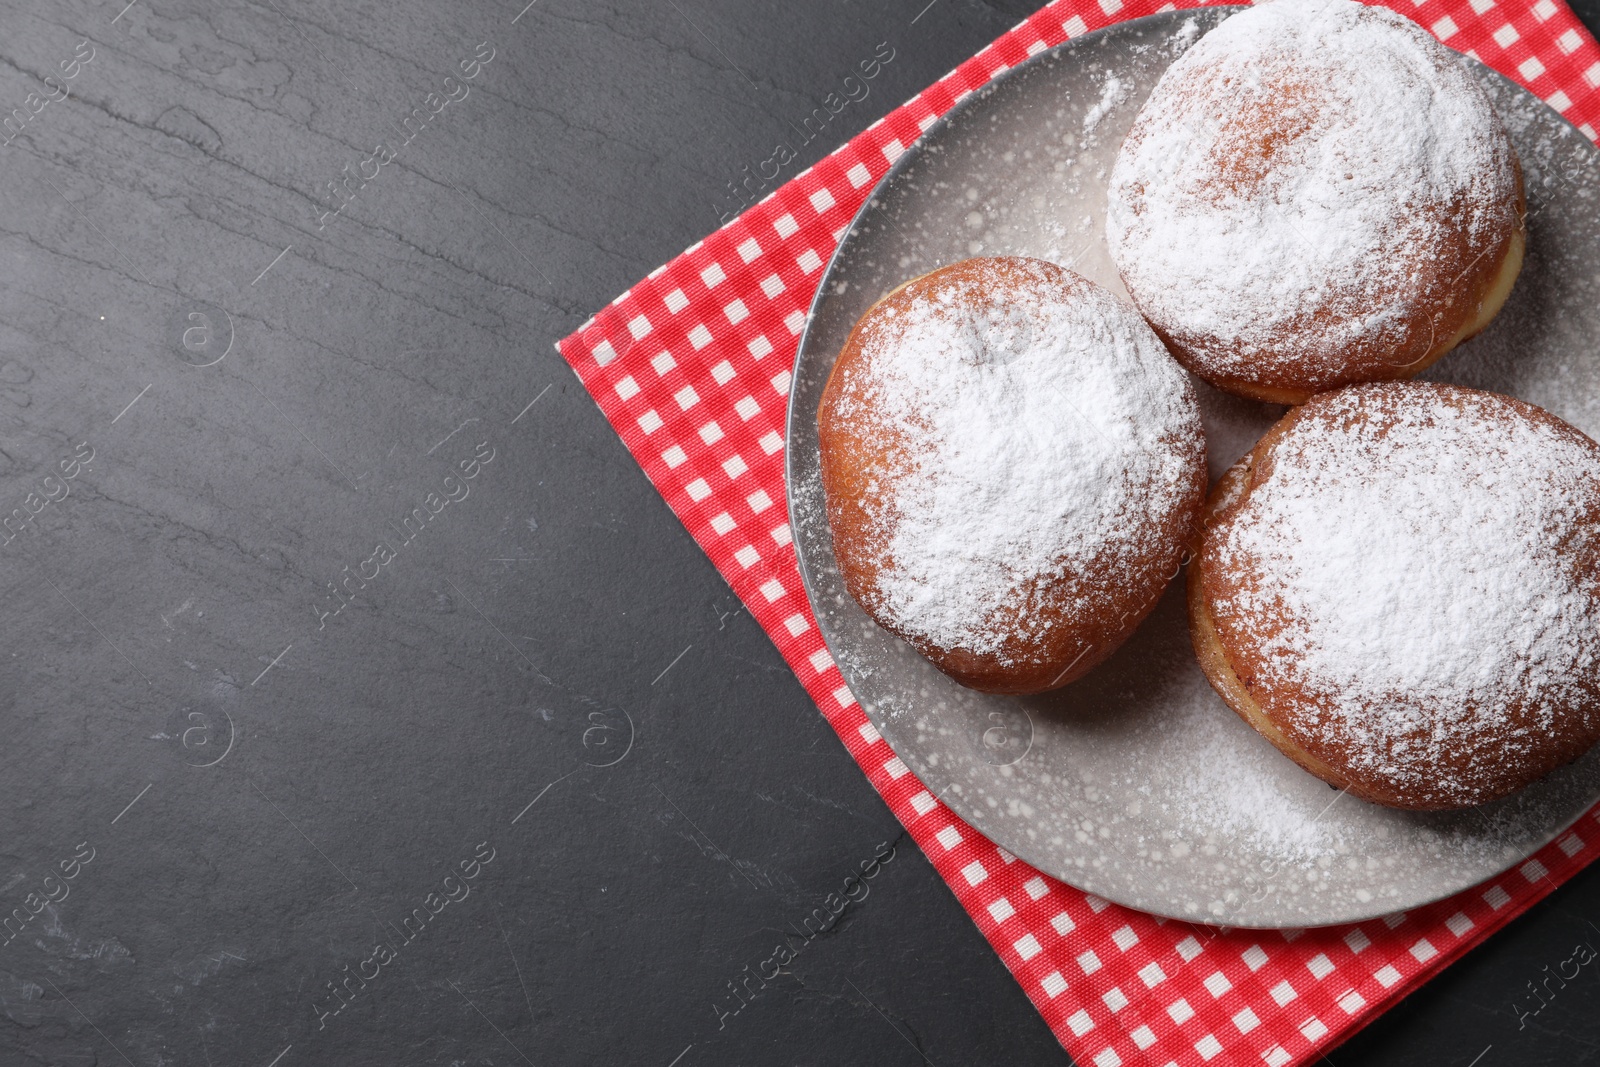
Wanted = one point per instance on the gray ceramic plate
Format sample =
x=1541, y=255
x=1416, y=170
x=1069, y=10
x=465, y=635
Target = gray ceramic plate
x=1137, y=783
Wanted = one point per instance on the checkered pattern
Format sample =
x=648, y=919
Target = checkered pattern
x=692, y=368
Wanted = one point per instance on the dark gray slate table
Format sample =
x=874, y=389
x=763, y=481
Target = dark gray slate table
x=530, y=746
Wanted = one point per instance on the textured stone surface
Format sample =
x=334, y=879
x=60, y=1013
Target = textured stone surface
x=269, y=390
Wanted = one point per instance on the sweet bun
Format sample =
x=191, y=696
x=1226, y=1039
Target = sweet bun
x=1400, y=588
x=1317, y=193
x=1012, y=467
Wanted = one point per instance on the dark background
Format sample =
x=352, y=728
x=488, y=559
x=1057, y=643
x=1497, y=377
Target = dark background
x=555, y=637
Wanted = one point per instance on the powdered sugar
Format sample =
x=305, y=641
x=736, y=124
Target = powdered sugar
x=1050, y=432
x=1293, y=180
x=1419, y=563
x=1112, y=93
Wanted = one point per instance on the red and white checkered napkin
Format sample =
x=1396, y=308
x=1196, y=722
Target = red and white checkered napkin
x=692, y=368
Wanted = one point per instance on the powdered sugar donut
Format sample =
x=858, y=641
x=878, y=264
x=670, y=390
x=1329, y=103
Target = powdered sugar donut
x=1012, y=467
x=1400, y=588
x=1317, y=193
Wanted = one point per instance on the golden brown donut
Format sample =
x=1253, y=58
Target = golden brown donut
x=1399, y=587
x=1317, y=193
x=1012, y=467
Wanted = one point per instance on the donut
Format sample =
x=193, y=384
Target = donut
x=1316, y=194
x=1012, y=468
x=1399, y=587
